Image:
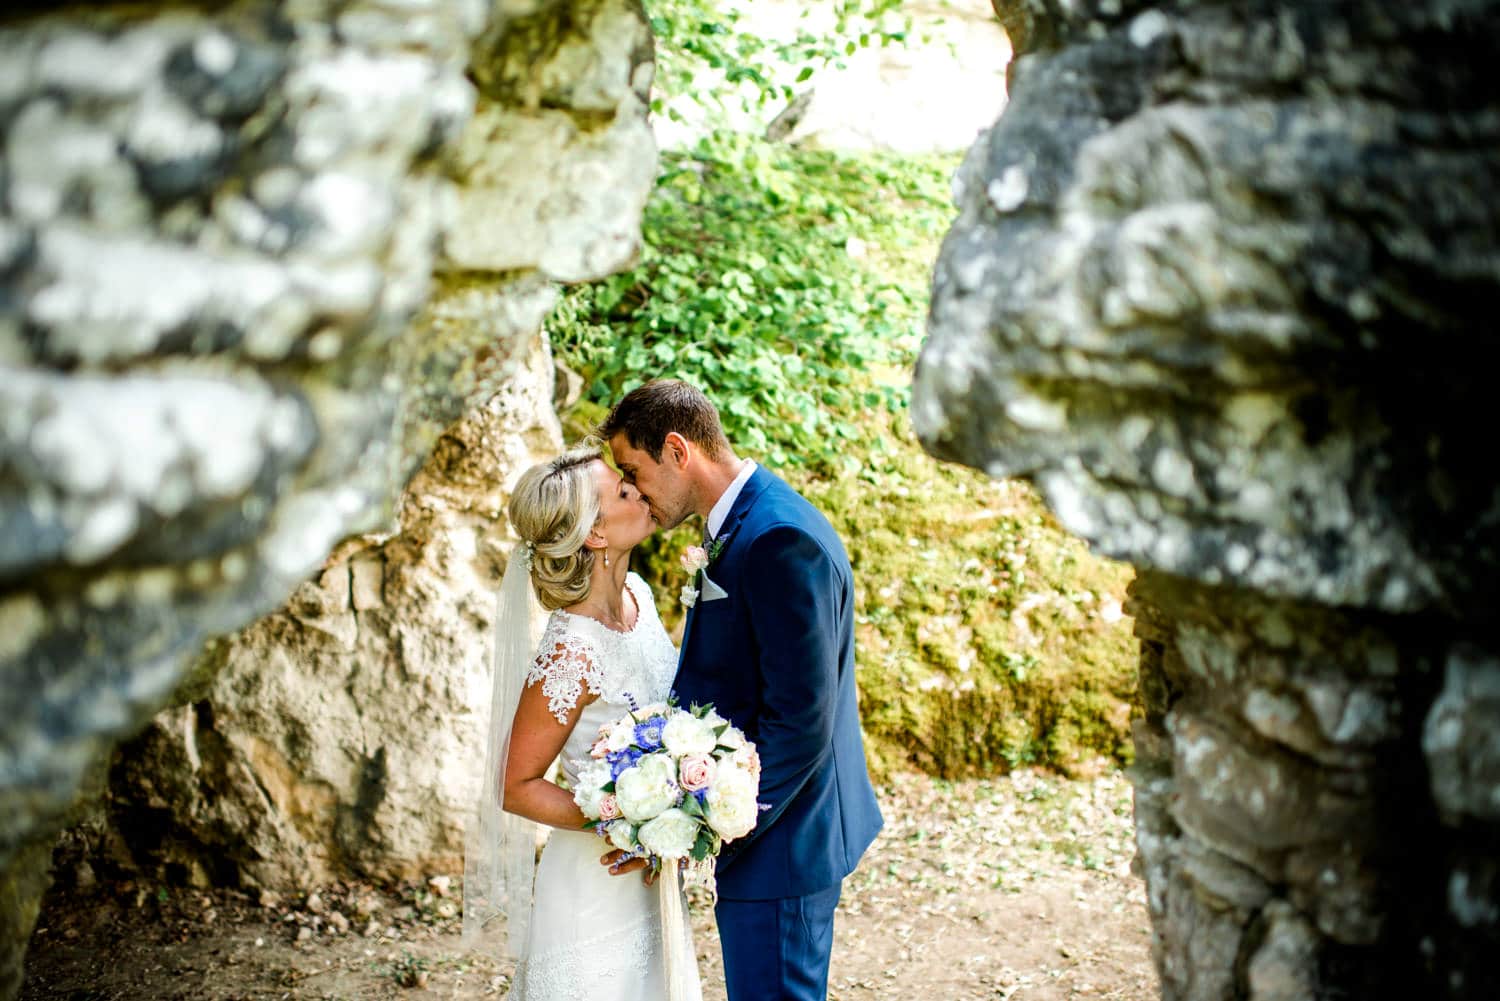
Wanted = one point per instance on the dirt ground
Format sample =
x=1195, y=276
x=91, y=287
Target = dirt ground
x=1011, y=888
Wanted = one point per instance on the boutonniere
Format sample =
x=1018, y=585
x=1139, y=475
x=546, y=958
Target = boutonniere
x=696, y=560
x=716, y=546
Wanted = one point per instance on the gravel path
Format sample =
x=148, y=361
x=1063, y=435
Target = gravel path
x=1017, y=887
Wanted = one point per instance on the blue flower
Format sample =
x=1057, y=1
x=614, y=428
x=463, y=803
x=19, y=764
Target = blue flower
x=619, y=761
x=648, y=734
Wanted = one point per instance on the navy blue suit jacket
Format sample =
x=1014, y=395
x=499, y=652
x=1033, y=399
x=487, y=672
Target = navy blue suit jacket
x=776, y=658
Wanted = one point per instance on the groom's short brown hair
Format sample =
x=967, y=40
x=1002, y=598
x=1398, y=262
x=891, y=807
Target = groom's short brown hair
x=647, y=414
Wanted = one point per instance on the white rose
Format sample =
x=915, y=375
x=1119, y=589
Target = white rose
x=670, y=835
x=647, y=788
x=622, y=835
x=621, y=735
x=732, y=738
x=589, y=789
x=685, y=734
x=732, y=810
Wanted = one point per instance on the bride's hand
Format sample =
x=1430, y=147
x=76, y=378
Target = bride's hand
x=620, y=863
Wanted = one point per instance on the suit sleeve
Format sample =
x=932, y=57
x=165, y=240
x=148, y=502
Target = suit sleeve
x=793, y=600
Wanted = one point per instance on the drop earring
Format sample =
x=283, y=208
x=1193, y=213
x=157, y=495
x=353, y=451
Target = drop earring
x=606, y=559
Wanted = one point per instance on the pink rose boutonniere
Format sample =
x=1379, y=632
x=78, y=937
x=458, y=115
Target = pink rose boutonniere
x=694, y=560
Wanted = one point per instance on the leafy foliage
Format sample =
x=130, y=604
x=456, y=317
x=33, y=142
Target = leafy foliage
x=767, y=281
x=705, y=51
x=791, y=286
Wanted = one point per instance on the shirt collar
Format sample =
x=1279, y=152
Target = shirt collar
x=726, y=500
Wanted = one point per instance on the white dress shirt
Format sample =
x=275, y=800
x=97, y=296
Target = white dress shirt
x=720, y=510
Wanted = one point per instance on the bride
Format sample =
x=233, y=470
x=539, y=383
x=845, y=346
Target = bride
x=584, y=933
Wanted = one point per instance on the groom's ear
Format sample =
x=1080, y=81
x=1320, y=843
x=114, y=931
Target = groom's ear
x=675, y=450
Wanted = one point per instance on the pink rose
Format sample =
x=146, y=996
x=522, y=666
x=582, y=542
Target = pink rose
x=695, y=772
x=694, y=558
x=609, y=807
x=600, y=748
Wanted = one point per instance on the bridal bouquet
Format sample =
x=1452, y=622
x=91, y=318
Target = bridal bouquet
x=666, y=783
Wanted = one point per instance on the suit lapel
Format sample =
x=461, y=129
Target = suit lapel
x=729, y=532
x=749, y=494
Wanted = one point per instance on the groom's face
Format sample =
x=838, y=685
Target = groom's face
x=661, y=485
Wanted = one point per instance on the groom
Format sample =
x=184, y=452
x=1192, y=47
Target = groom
x=771, y=644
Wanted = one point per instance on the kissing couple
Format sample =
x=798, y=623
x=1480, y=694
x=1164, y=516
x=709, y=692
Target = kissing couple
x=769, y=643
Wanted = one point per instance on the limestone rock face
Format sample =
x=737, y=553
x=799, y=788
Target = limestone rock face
x=254, y=259
x=1220, y=286
x=338, y=735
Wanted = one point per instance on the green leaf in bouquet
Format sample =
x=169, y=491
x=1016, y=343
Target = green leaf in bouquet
x=704, y=845
x=692, y=807
x=608, y=786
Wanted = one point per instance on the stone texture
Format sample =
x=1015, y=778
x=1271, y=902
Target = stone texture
x=1219, y=286
x=233, y=325
x=574, y=213
x=1211, y=290
x=336, y=736
x=559, y=147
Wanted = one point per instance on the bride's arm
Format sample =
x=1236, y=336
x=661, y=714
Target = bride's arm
x=536, y=738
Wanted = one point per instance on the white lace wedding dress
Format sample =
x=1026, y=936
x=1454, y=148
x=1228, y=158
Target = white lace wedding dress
x=596, y=936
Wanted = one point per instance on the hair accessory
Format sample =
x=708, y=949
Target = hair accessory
x=530, y=555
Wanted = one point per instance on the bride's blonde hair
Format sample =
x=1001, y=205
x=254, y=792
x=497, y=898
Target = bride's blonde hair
x=553, y=508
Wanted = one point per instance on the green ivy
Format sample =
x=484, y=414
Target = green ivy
x=792, y=286
x=706, y=53
x=768, y=279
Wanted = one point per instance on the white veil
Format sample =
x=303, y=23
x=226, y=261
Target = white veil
x=500, y=849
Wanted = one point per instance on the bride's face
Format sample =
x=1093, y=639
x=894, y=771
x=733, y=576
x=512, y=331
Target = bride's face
x=624, y=516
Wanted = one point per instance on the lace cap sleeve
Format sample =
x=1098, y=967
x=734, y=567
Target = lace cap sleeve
x=565, y=664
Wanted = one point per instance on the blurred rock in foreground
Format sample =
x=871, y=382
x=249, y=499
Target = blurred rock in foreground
x=254, y=259
x=1221, y=287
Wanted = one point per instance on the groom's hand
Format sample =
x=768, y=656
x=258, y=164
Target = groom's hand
x=620, y=863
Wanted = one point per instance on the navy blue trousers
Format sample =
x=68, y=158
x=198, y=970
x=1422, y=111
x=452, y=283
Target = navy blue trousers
x=777, y=950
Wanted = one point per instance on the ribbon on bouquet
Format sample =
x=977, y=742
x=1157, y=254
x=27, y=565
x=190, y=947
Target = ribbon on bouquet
x=680, y=962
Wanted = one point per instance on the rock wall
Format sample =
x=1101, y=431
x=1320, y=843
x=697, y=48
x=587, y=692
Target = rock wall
x=1220, y=286
x=337, y=736
x=254, y=259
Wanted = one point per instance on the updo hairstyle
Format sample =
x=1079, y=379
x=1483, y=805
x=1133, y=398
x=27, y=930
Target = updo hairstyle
x=553, y=508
